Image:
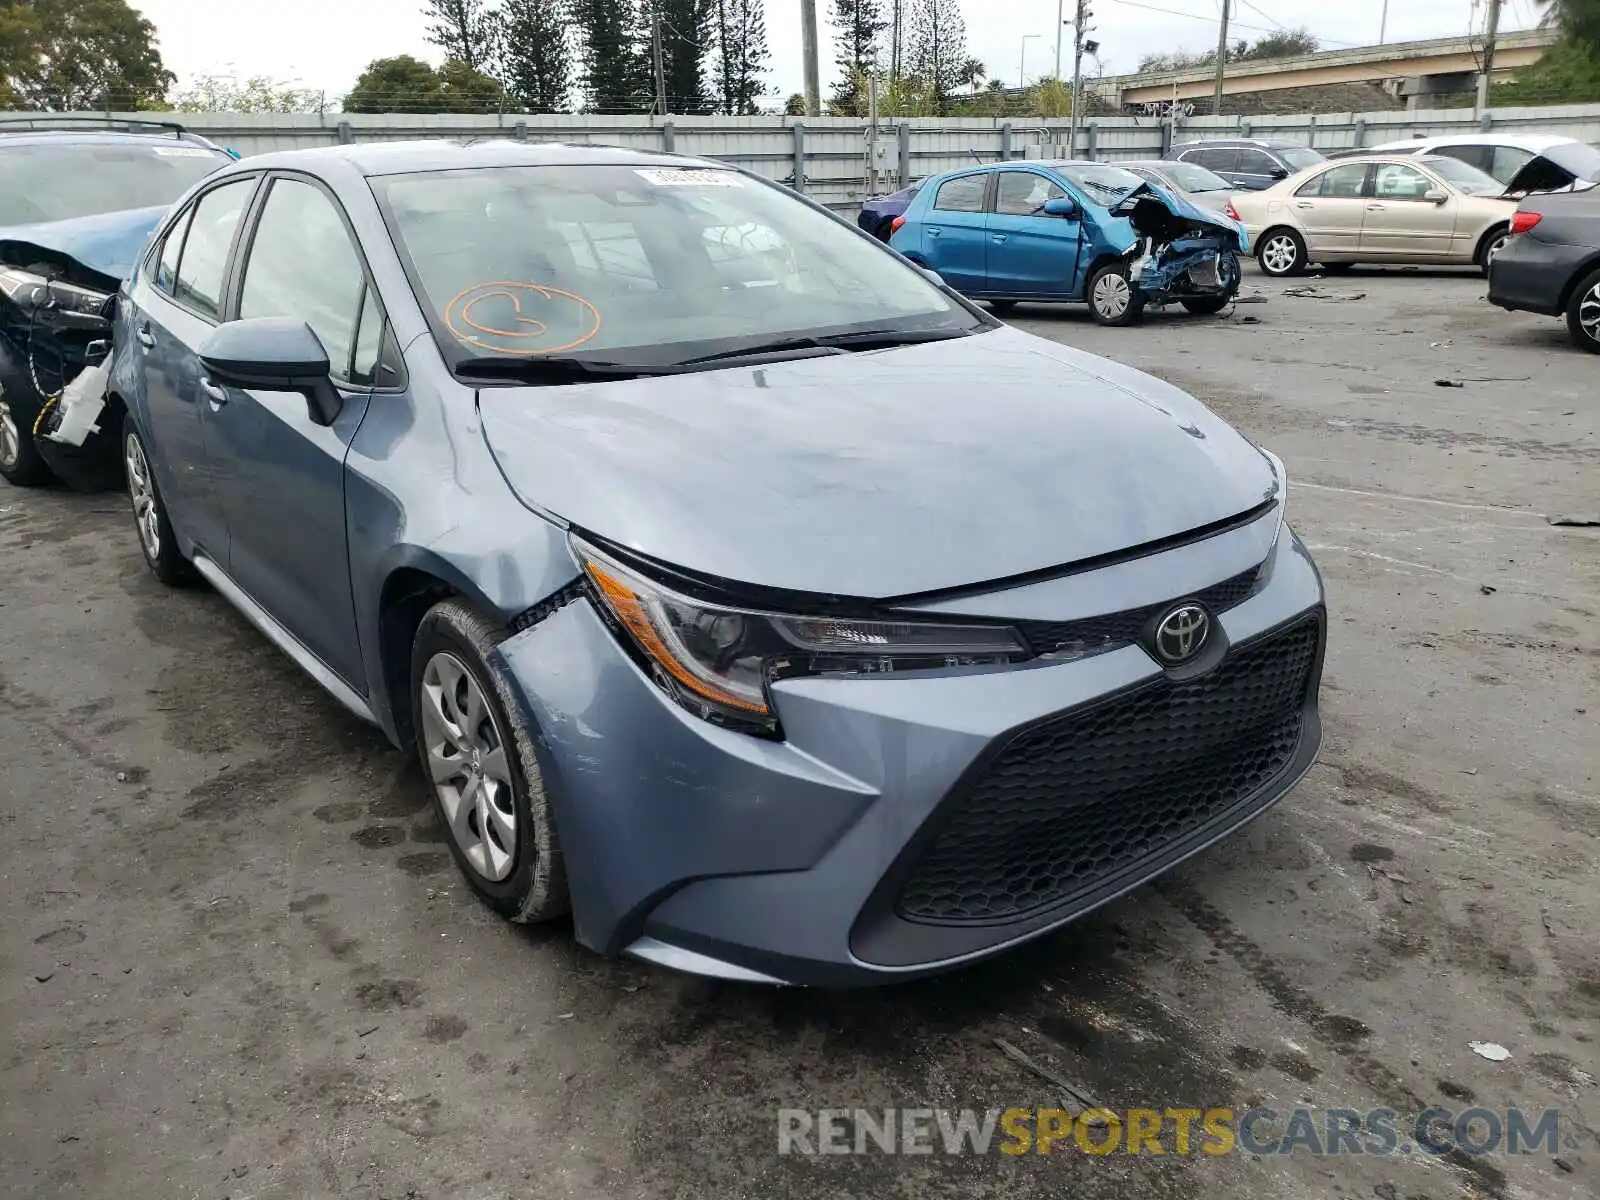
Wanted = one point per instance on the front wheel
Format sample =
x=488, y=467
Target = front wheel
x=487, y=788
x=1229, y=276
x=1583, y=313
x=156, y=539
x=1282, y=253
x=21, y=463
x=1113, y=298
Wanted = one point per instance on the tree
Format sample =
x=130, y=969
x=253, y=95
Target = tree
x=258, y=93
x=860, y=24
x=63, y=55
x=616, y=72
x=1287, y=44
x=938, y=49
x=795, y=106
x=972, y=73
x=465, y=89
x=466, y=30
x=1578, y=20
x=742, y=55
x=687, y=35
x=397, y=85
x=1569, y=72
x=536, y=54
x=1051, y=97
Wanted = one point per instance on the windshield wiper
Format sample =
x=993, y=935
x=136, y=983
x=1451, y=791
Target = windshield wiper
x=531, y=369
x=838, y=343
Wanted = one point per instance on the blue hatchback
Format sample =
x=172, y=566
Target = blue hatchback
x=1073, y=231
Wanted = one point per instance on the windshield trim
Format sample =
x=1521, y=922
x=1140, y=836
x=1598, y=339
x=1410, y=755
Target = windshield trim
x=452, y=351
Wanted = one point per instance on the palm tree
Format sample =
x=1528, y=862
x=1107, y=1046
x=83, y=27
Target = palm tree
x=972, y=74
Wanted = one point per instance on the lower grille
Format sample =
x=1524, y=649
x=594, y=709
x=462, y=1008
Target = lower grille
x=1113, y=630
x=1075, y=802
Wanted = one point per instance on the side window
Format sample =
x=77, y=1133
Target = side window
x=962, y=195
x=205, y=250
x=166, y=274
x=1255, y=162
x=1481, y=157
x=1395, y=182
x=1214, y=158
x=302, y=264
x=1341, y=183
x=1507, y=161
x=1022, y=193
x=369, y=341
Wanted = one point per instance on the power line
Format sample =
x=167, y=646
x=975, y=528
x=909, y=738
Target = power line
x=1173, y=12
x=1267, y=15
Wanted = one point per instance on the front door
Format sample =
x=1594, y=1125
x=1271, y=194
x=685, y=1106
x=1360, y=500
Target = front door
x=955, y=232
x=175, y=308
x=1031, y=254
x=1331, y=208
x=282, y=481
x=1401, y=222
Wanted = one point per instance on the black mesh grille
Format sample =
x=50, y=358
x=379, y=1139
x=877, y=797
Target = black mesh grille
x=1072, y=803
x=1122, y=628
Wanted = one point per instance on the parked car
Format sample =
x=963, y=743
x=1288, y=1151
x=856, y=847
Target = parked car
x=1202, y=188
x=878, y=213
x=1250, y=164
x=1505, y=156
x=1071, y=231
x=78, y=199
x=785, y=616
x=1551, y=265
x=1378, y=209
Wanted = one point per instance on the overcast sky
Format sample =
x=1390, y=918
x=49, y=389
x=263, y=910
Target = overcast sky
x=324, y=44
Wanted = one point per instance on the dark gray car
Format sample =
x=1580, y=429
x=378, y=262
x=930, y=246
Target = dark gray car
x=1251, y=164
x=740, y=588
x=1551, y=264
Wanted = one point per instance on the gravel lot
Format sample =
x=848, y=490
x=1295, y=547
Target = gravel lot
x=235, y=959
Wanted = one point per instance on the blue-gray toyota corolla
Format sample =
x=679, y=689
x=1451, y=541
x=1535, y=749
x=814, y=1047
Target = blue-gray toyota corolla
x=743, y=591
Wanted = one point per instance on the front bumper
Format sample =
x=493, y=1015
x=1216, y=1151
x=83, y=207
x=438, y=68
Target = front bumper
x=798, y=861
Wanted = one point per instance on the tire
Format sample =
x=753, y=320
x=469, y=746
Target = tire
x=1206, y=306
x=21, y=464
x=156, y=540
x=1113, y=300
x=1583, y=313
x=1231, y=277
x=1282, y=253
x=1001, y=307
x=480, y=766
x=1493, y=242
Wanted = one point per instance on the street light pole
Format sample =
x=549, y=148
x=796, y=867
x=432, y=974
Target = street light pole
x=1222, y=62
x=1383, y=24
x=1061, y=24
x=813, y=69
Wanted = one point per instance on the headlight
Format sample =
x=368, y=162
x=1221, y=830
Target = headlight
x=717, y=661
x=27, y=290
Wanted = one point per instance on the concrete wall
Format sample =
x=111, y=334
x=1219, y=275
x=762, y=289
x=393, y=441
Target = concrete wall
x=833, y=150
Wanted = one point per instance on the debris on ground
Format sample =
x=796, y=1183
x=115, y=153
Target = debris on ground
x=1488, y=589
x=1252, y=298
x=1496, y=378
x=1441, y=345
x=1448, y=383
x=1582, y=521
x=1078, y=1095
x=1544, y=917
x=1312, y=292
x=361, y=1033
x=1493, y=1051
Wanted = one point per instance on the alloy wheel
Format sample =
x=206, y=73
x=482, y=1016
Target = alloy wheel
x=1589, y=313
x=467, y=764
x=1280, y=254
x=1495, y=247
x=1112, y=295
x=10, y=439
x=146, y=513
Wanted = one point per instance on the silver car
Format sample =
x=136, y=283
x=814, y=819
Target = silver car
x=1203, y=188
x=739, y=588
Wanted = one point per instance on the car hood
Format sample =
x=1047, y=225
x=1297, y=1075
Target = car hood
x=1136, y=214
x=1558, y=167
x=879, y=474
x=108, y=244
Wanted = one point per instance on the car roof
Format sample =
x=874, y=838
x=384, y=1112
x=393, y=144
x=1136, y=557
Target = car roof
x=398, y=158
x=1526, y=141
x=70, y=129
x=1235, y=143
x=96, y=137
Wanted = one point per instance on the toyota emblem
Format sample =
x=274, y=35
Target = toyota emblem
x=1182, y=634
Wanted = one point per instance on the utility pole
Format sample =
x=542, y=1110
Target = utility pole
x=1489, y=37
x=660, y=59
x=1383, y=24
x=1061, y=24
x=897, y=37
x=1078, y=30
x=808, y=43
x=1222, y=62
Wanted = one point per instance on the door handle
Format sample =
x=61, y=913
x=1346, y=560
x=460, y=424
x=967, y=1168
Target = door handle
x=1000, y=237
x=1304, y=204
x=1377, y=208
x=217, y=395
x=146, y=338
x=935, y=232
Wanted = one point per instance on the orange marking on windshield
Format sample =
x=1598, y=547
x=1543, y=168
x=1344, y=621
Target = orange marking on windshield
x=459, y=320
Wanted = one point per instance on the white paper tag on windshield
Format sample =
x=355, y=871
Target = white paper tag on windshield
x=183, y=152
x=690, y=177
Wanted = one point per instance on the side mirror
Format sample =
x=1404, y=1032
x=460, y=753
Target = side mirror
x=1435, y=196
x=273, y=354
x=1279, y=172
x=1061, y=206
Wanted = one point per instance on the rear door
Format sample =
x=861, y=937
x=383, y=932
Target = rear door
x=178, y=303
x=1331, y=208
x=1401, y=223
x=1257, y=169
x=955, y=231
x=1219, y=160
x=281, y=475
x=1030, y=253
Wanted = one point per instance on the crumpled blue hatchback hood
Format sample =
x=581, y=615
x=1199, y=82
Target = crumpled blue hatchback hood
x=108, y=244
x=1180, y=207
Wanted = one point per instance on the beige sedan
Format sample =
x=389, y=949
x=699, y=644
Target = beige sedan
x=1378, y=209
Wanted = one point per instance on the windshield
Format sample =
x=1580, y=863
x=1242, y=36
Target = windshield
x=641, y=265
x=1103, y=184
x=1464, y=177
x=56, y=182
x=1194, y=178
x=1299, y=157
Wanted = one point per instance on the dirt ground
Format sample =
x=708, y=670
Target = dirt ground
x=236, y=961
